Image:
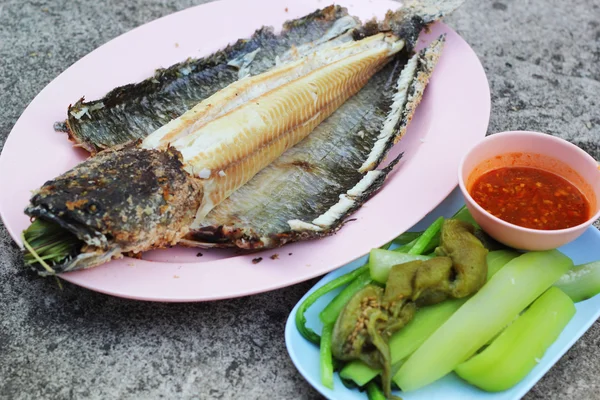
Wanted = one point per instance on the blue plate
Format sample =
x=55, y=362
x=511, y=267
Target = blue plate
x=305, y=355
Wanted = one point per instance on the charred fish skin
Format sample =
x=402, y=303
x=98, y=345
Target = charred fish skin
x=128, y=200
x=410, y=90
x=315, y=186
x=133, y=111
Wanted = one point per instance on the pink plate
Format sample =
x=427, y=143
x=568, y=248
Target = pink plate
x=453, y=115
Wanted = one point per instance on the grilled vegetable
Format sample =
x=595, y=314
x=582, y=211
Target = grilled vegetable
x=404, y=342
x=426, y=321
x=300, y=319
x=382, y=261
x=330, y=313
x=373, y=314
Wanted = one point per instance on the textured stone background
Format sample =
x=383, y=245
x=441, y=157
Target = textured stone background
x=541, y=58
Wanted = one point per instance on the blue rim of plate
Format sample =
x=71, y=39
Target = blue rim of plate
x=305, y=355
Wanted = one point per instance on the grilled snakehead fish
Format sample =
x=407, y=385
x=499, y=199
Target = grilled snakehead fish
x=193, y=163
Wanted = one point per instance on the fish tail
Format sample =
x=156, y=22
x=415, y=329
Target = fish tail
x=408, y=21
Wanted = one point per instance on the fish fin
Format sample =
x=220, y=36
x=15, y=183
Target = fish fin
x=433, y=10
x=243, y=62
x=61, y=126
x=410, y=88
x=349, y=202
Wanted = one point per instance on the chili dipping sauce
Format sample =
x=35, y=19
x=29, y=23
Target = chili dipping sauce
x=531, y=198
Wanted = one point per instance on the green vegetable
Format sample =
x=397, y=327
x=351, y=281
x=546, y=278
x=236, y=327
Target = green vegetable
x=509, y=358
x=582, y=282
x=407, y=237
x=404, y=342
x=425, y=322
x=359, y=372
x=300, y=319
x=373, y=315
x=498, y=259
x=381, y=261
x=425, y=239
x=433, y=243
x=325, y=357
x=47, y=244
x=374, y=392
x=464, y=215
x=491, y=309
x=405, y=248
x=332, y=310
x=387, y=245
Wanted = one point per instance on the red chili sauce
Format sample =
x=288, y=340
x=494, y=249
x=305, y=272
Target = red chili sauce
x=531, y=198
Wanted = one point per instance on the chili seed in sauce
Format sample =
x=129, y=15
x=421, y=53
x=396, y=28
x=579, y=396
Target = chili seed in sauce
x=531, y=198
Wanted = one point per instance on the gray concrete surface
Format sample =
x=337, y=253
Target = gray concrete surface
x=541, y=58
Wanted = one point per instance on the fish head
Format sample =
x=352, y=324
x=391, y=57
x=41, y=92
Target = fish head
x=120, y=201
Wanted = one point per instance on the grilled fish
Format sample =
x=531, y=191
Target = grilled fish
x=223, y=142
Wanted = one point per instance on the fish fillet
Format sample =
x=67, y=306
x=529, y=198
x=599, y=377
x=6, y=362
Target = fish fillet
x=335, y=164
x=227, y=148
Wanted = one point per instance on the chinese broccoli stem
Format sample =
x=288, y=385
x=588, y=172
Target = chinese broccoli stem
x=582, y=282
x=518, y=349
x=485, y=314
x=407, y=237
x=374, y=392
x=425, y=239
x=498, y=259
